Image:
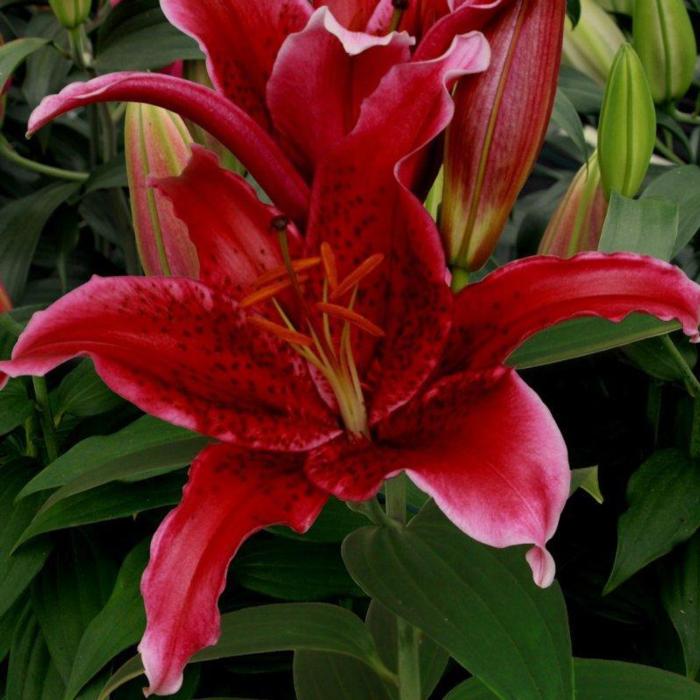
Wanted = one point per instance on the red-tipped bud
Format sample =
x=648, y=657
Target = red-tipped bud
x=578, y=221
x=500, y=122
x=157, y=146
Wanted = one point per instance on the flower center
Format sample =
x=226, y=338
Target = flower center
x=322, y=335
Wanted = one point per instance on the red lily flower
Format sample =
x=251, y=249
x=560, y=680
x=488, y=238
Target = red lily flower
x=256, y=52
x=327, y=363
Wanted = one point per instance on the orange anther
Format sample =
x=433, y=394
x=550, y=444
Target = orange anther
x=357, y=275
x=286, y=334
x=328, y=257
x=281, y=271
x=265, y=293
x=350, y=316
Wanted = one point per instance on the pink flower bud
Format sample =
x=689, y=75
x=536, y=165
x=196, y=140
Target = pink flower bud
x=157, y=146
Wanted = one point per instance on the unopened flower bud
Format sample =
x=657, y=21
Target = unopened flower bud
x=71, y=13
x=627, y=129
x=665, y=41
x=578, y=221
x=500, y=121
x=622, y=7
x=590, y=47
x=157, y=146
x=5, y=302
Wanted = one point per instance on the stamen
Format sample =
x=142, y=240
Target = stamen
x=268, y=292
x=281, y=270
x=350, y=316
x=357, y=275
x=281, y=332
x=328, y=257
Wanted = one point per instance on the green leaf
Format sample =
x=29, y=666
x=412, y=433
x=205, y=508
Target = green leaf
x=587, y=479
x=566, y=117
x=136, y=36
x=607, y=680
x=146, y=447
x=653, y=357
x=8, y=625
x=116, y=627
x=573, y=10
x=15, y=406
x=21, y=224
x=14, y=52
x=586, y=336
x=19, y=568
x=477, y=602
x=648, y=226
x=664, y=510
x=71, y=590
x=585, y=94
x=31, y=674
x=108, y=502
x=292, y=570
x=280, y=627
x=682, y=186
x=680, y=593
x=82, y=393
x=319, y=676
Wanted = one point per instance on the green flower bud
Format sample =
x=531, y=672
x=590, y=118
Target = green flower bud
x=665, y=41
x=622, y=7
x=627, y=129
x=71, y=13
x=591, y=46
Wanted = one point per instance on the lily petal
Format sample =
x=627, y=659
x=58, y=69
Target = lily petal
x=484, y=447
x=184, y=353
x=495, y=316
x=361, y=206
x=416, y=19
x=230, y=495
x=240, y=41
x=340, y=68
x=210, y=110
x=228, y=224
x=353, y=14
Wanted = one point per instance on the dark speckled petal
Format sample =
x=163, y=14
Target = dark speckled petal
x=184, y=353
x=230, y=495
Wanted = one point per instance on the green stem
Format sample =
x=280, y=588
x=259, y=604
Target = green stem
x=9, y=153
x=662, y=148
x=370, y=509
x=685, y=118
x=409, y=662
x=460, y=279
x=30, y=430
x=395, y=492
x=692, y=383
x=695, y=431
x=46, y=420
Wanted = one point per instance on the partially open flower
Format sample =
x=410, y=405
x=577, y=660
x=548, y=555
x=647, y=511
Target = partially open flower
x=578, y=221
x=158, y=145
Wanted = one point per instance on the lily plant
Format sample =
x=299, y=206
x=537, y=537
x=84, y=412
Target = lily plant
x=321, y=346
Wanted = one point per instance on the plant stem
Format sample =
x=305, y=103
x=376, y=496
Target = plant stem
x=41, y=393
x=409, y=663
x=662, y=148
x=691, y=381
x=395, y=491
x=685, y=118
x=695, y=431
x=9, y=153
x=460, y=279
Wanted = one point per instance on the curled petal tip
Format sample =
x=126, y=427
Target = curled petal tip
x=542, y=564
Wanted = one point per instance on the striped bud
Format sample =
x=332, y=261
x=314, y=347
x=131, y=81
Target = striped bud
x=500, y=121
x=627, y=129
x=578, y=221
x=591, y=46
x=71, y=13
x=158, y=145
x=665, y=41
